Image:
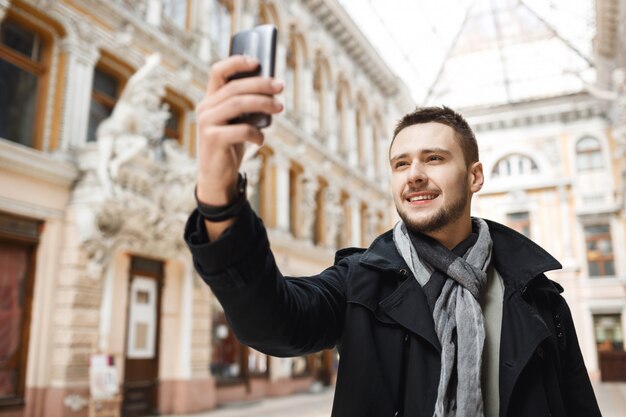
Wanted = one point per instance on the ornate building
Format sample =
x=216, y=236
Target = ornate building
x=97, y=144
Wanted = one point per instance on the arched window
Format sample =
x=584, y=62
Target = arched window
x=109, y=79
x=588, y=154
x=176, y=127
x=513, y=166
x=292, y=73
x=319, y=108
x=24, y=58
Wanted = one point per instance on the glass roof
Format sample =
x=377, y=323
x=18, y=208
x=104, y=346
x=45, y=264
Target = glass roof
x=468, y=53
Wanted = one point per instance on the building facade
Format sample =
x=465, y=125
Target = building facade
x=97, y=145
x=549, y=115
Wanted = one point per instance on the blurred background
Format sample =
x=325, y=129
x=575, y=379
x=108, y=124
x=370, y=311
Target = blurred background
x=101, y=311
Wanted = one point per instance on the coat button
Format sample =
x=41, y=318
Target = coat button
x=403, y=272
x=406, y=338
x=396, y=414
x=541, y=353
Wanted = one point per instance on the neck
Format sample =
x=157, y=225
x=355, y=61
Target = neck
x=452, y=234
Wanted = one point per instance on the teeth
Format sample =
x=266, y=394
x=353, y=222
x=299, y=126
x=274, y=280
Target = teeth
x=422, y=197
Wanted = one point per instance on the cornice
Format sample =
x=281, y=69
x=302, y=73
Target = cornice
x=563, y=109
x=35, y=164
x=342, y=28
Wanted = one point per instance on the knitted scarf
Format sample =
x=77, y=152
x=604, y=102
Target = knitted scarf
x=452, y=292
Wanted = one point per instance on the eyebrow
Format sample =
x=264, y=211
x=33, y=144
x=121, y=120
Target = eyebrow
x=422, y=152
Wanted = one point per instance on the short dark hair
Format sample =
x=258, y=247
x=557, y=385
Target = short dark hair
x=447, y=116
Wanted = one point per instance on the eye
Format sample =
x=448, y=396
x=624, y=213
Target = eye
x=400, y=164
x=434, y=158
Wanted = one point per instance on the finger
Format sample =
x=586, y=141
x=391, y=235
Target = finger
x=231, y=135
x=236, y=106
x=252, y=85
x=222, y=70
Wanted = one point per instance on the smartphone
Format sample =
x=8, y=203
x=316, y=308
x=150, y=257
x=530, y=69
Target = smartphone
x=260, y=43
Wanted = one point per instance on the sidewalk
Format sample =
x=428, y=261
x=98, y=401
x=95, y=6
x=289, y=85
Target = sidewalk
x=297, y=405
x=611, y=396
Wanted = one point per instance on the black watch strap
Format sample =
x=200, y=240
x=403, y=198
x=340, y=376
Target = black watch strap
x=221, y=213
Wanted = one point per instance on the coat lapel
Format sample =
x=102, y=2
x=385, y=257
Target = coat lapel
x=407, y=306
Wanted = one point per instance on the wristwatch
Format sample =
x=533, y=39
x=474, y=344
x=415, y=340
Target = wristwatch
x=221, y=213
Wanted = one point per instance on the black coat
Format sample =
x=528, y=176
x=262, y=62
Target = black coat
x=371, y=307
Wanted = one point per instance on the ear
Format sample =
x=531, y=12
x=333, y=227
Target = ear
x=476, y=177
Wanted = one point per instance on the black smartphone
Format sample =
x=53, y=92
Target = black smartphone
x=260, y=43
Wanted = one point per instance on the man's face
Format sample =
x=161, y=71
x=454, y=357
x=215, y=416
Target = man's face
x=430, y=181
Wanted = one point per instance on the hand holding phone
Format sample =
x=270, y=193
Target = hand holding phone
x=260, y=43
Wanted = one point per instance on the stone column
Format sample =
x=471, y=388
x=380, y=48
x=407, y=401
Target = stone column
x=350, y=135
x=306, y=99
x=82, y=56
x=333, y=217
x=308, y=205
x=281, y=164
x=154, y=9
x=355, y=209
x=331, y=116
x=367, y=144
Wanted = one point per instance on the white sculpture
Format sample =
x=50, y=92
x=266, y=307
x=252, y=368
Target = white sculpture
x=143, y=188
x=137, y=121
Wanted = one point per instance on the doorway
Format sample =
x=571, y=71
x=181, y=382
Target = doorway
x=141, y=368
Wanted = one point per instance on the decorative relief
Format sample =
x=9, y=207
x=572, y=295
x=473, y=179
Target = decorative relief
x=137, y=192
x=252, y=167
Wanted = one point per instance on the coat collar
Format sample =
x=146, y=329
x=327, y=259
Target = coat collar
x=517, y=258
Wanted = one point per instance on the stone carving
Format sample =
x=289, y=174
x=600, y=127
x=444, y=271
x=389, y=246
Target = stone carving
x=308, y=205
x=138, y=192
x=333, y=217
x=137, y=123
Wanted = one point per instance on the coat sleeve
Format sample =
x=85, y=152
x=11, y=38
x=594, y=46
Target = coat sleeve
x=579, y=398
x=276, y=315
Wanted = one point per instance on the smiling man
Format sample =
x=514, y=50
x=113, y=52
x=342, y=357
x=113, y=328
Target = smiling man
x=444, y=315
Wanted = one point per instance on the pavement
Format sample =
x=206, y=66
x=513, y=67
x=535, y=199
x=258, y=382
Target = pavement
x=611, y=397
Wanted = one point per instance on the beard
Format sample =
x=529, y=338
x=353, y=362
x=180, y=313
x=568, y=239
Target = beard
x=444, y=216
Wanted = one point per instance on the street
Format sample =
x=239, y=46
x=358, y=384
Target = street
x=611, y=396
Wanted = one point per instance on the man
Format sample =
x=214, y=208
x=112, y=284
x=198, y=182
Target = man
x=445, y=315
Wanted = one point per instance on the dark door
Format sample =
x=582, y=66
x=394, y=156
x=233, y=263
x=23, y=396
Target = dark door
x=141, y=370
x=18, y=246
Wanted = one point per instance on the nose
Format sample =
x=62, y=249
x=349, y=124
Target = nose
x=416, y=173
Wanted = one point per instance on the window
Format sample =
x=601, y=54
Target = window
x=221, y=26
x=519, y=222
x=105, y=91
x=588, y=154
x=319, y=106
x=22, y=70
x=599, y=251
x=233, y=362
x=227, y=360
x=514, y=165
x=608, y=331
x=18, y=239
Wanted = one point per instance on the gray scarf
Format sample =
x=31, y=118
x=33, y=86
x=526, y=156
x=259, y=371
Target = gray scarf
x=456, y=311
